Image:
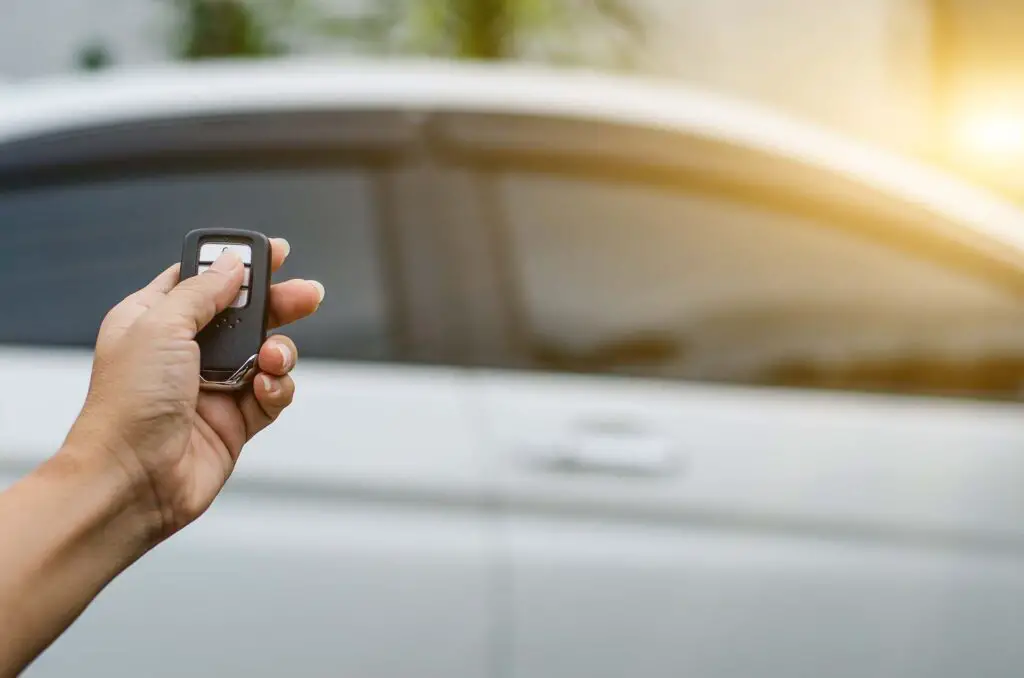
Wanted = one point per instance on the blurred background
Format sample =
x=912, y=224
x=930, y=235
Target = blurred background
x=937, y=78
x=662, y=337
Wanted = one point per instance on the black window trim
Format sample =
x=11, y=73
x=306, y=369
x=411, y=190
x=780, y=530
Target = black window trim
x=64, y=155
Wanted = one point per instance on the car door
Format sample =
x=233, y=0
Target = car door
x=747, y=417
x=353, y=537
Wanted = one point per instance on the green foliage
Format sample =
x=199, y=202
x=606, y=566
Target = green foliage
x=94, y=56
x=548, y=30
x=562, y=31
x=221, y=28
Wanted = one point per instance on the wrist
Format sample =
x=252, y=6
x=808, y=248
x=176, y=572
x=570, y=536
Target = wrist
x=120, y=497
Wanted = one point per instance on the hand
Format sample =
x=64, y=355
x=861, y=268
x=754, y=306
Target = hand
x=144, y=409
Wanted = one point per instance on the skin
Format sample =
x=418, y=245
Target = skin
x=147, y=455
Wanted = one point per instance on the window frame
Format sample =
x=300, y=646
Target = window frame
x=539, y=146
x=381, y=144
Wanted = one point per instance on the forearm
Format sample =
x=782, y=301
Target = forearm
x=66, y=531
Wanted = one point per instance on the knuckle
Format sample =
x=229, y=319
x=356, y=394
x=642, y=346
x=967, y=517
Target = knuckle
x=110, y=317
x=105, y=332
x=149, y=324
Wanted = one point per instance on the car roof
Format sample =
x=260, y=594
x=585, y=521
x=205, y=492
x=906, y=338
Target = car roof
x=119, y=96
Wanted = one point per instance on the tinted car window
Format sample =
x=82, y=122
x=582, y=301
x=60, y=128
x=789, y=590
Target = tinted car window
x=72, y=251
x=625, y=278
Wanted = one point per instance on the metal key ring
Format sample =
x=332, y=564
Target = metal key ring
x=235, y=381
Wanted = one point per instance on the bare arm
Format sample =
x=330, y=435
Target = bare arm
x=66, y=530
x=147, y=455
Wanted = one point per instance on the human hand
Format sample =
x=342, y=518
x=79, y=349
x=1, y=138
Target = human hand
x=144, y=409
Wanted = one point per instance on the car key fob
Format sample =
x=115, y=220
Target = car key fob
x=229, y=345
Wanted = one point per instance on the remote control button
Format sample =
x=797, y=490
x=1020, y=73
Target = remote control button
x=209, y=252
x=241, y=300
x=245, y=281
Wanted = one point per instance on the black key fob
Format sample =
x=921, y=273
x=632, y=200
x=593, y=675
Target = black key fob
x=229, y=346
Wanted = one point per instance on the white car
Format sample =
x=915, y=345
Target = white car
x=612, y=379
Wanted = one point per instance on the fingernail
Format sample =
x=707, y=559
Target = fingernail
x=269, y=385
x=319, y=290
x=284, y=245
x=227, y=262
x=286, y=355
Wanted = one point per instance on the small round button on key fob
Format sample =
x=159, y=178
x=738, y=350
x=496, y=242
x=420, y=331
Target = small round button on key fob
x=229, y=345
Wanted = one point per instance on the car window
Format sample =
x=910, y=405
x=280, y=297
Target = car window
x=625, y=278
x=71, y=251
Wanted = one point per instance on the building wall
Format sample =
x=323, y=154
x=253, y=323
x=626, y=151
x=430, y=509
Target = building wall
x=859, y=65
x=40, y=37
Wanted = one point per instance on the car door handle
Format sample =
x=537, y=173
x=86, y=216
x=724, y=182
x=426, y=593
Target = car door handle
x=608, y=451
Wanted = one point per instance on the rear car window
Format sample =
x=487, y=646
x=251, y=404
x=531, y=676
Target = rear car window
x=71, y=251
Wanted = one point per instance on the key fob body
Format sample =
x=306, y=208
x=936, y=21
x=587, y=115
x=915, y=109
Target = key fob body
x=229, y=345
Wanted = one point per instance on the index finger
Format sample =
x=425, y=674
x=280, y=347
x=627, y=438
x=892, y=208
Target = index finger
x=197, y=300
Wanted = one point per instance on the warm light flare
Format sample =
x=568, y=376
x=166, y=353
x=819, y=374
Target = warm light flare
x=992, y=136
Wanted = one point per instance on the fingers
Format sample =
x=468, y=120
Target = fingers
x=269, y=397
x=294, y=300
x=274, y=393
x=194, y=302
x=273, y=389
x=278, y=356
x=279, y=250
x=165, y=282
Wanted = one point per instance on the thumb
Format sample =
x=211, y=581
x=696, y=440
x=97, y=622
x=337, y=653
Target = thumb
x=194, y=302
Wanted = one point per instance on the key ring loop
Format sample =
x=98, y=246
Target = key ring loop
x=234, y=381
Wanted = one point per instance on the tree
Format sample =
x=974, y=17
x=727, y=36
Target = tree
x=602, y=32
x=598, y=32
x=220, y=28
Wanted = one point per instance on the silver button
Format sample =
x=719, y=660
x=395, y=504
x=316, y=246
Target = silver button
x=241, y=300
x=209, y=252
x=245, y=281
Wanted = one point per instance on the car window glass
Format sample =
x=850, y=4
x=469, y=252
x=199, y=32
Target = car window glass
x=72, y=251
x=623, y=278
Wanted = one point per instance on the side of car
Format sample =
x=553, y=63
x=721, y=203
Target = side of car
x=588, y=399
x=748, y=417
